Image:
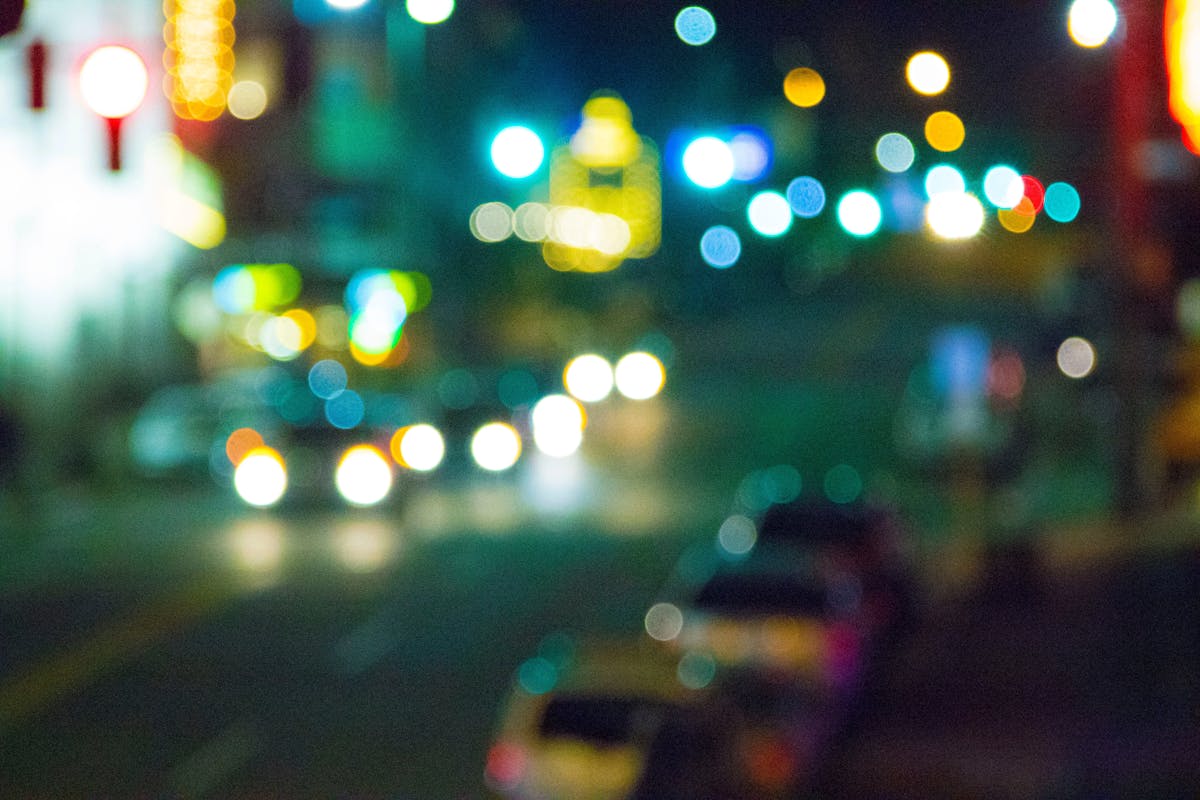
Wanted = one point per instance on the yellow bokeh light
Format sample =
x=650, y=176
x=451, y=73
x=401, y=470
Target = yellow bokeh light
x=927, y=73
x=944, y=131
x=418, y=447
x=639, y=376
x=363, y=476
x=198, y=57
x=261, y=477
x=1018, y=219
x=496, y=446
x=589, y=378
x=306, y=325
x=804, y=87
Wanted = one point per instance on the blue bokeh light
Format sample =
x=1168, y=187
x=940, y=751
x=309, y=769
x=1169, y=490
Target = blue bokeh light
x=806, y=196
x=720, y=247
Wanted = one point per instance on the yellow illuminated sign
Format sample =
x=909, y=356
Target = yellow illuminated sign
x=198, y=58
x=1181, y=36
x=605, y=193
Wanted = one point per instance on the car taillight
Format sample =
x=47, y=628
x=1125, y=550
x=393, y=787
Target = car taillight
x=505, y=765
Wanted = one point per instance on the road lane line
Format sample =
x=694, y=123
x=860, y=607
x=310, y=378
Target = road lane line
x=108, y=647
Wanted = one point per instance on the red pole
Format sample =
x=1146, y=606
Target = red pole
x=114, y=143
x=37, y=74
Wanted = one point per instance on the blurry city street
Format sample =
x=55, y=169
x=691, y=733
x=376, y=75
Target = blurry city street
x=517, y=400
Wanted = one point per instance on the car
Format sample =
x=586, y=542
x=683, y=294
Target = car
x=869, y=541
x=585, y=733
x=777, y=612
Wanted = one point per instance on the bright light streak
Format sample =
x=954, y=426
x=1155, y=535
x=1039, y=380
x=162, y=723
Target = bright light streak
x=954, y=215
x=1091, y=22
x=363, y=476
x=639, y=376
x=419, y=447
x=859, y=213
x=928, y=73
x=517, y=152
x=708, y=162
x=589, y=378
x=113, y=81
x=261, y=478
x=1076, y=357
x=496, y=446
x=558, y=422
x=695, y=25
x=769, y=214
x=430, y=12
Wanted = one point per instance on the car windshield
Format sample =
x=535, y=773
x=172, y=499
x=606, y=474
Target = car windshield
x=761, y=593
x=816, y=524
x=603, y=719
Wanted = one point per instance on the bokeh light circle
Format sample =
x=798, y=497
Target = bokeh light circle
x=708, y=162
x=113, y=81
x=944, y=179
x=363, y=476
x=663, y=621
x=954, y=215
x=429, y=12
x=1076, y=357
x=517, y=151
x=491, y=222
x=260, y=479
x=345, y=410
x=327, y=378
x=1002, y=186
x=945, y=131
x=769, y=213
x=1091, y=23
x=639, y=375
x=419, y=447
x=589, y=378
x=804, y=87
x=806, y=196
x=695, y=25
x=895, y=152
x=1061, y=202
x=720, y=247
x=859, y=213
x=496, y=446
x=927, y=73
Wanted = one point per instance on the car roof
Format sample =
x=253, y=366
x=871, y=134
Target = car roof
x=820, y=522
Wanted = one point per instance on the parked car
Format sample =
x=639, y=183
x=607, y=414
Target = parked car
x=587, y=737
x=772, y=611
x=871, y=542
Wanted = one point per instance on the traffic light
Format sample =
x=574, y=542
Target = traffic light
x=10, y=15
x=113, y=81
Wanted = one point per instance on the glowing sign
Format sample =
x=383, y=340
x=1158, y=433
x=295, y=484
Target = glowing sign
x=605, y=193
x=199, y=56
x=1181, y=35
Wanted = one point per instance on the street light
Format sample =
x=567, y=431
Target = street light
x=113, y=81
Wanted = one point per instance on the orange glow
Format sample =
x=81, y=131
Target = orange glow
x=1020, y=218
x=241, y=442
x=198, y=57
x=306, y=323
x=1181, y=36
x=389, y=358
x=944, y=131
x=804, y=87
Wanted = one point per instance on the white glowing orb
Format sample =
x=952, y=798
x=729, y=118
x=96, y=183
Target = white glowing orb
x=496, y=446
x=709, y=162
x=954, y=215
x=639, y=376
x=422, y=447
x=558, y=422
x=517, y=152
x=1076, y=357
x=589, y=378
x=430, y=12
x=113, y=81
x=1091, y=22
x=261, y=478
x=363, y=476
